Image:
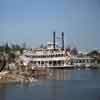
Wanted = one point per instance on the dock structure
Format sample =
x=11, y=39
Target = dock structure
x=82, y=62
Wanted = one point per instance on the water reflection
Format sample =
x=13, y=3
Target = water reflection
x=3, y=93
x=83, y=74
x=57, y=87
x=60, y=74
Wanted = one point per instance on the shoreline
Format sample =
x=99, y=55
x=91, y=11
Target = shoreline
x=7, y=77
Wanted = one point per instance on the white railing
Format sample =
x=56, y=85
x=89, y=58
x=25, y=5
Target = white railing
x=49, y=59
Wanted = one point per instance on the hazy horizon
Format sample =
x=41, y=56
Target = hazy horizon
x=33, y=22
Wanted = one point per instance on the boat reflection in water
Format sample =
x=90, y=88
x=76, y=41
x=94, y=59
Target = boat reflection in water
x=76, y=74
x=60, y=74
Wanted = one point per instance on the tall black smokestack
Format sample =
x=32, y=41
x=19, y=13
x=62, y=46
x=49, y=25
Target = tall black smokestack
x=62, y=40
x=54, y=40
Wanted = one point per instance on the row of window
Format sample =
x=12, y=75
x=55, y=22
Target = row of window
x=46, y=56
x=83, y=61
x=50, y=62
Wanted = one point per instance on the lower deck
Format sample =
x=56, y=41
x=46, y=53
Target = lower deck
x=49, y=63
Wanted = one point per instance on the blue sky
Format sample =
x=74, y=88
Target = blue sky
x=33, y=21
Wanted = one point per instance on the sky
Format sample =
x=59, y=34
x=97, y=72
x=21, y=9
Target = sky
x=33, y=22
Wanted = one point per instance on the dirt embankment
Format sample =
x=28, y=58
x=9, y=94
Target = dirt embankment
x=14, y=77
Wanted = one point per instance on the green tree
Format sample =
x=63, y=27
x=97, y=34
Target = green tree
x=6, y=48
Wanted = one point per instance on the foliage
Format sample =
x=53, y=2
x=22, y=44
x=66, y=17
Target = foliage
x=13, y=47
x=93, y=53
x=74, y=51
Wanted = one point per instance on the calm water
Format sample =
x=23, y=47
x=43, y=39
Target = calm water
x=61, y=85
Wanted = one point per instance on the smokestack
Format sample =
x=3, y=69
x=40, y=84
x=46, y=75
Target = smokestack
x=62, y=40
x=54, y=40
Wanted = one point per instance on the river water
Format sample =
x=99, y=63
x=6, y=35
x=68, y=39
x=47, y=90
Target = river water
x=61, y=85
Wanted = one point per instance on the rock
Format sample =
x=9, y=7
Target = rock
x=12, y=66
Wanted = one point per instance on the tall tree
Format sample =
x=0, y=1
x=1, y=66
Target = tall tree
x=6, y=47
x=74, y=51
